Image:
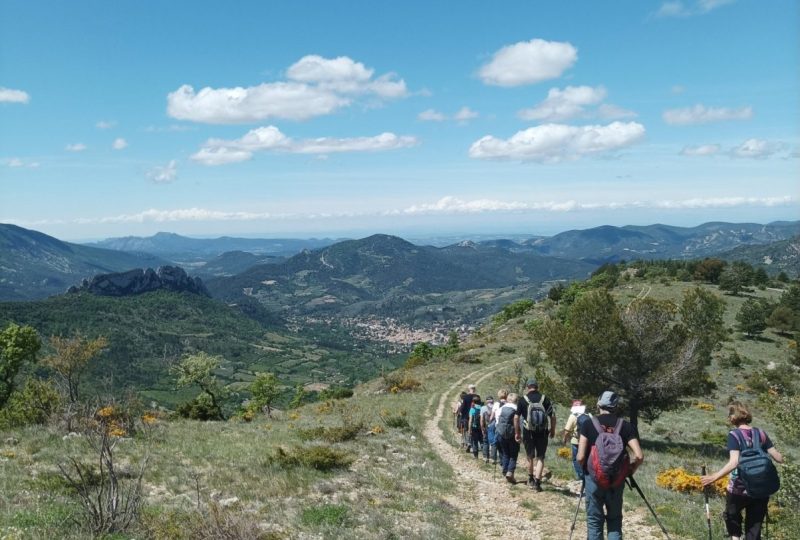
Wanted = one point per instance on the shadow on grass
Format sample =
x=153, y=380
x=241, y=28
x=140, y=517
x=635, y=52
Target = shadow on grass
x=685, y=450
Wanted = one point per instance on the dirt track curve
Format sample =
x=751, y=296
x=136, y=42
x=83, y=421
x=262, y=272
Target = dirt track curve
x=527, y=514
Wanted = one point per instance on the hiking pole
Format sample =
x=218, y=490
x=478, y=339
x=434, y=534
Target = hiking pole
x=632, y=483
x=575, y=517
x=708, y=512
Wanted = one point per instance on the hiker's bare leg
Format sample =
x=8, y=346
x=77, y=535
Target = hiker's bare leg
x=538, y=468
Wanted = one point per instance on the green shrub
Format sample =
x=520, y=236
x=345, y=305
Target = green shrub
x=520, y=307
x=327, y=514
x=400, y=381
x=34, y=404
x=200, y=408
x=396, y=419
x=319, y=457
x=335, y=392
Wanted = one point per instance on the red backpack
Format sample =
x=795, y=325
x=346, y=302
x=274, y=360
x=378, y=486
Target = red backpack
x=609, y=462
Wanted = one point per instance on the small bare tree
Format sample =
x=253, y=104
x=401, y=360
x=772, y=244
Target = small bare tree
x=70, y=358
x=110, y=501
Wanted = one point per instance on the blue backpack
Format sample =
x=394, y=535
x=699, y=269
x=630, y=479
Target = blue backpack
x=756, y=470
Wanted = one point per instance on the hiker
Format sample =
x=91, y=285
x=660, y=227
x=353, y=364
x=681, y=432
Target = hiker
x=501, y=400
x=606, y=465
x=487, y=430
x=538, y=419
x=475, y=433
x=737, y=498
x=466, y=405
x=508, y=437
x=577, y=415
x=463, y=415
x=457, y=410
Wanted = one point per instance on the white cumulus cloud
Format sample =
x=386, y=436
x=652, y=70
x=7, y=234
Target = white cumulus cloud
x=700, y=114
x=9, y=95
x=316, y=86
x=431, y=115
x=552, y=143
x=756, y=149
x=163, y=174
x=462, y=115
x=105, y=124
x=119, y=144
x=465, y=114
x=75, y=147
x=528, y=62
x=270, y=138
x=564, y=104
x=701, y=150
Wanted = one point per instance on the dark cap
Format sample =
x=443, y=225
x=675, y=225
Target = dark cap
x=533, y=382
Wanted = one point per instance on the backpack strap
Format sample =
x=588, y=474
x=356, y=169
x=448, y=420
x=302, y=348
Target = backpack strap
x=739, y=436
x=757, y=439
x=597, y=426
x=618, y=427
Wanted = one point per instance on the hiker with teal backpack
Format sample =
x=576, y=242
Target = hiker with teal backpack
x=603, y=453
x=538, y=419
x=475, y=433
x=753, y=477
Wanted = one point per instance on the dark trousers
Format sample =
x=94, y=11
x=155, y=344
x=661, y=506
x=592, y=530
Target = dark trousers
x=755, y=510
x=509, y=450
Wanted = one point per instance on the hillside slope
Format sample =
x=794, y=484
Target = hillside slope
x=34, y=265
x=386, y=275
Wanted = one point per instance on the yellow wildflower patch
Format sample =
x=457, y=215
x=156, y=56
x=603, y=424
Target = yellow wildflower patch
x=564, y=452
x=678, y=479
x=705, y=406
x=106, y=412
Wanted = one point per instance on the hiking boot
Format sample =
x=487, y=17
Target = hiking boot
x=531, y=482
x=510, y=478
x=537, y=486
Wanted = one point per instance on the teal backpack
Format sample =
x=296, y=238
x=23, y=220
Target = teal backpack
x=755, y=469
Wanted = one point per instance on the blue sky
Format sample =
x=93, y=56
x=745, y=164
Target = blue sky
x=413, y=118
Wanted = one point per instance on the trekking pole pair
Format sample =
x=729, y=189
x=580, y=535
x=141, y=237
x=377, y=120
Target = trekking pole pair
x=632, y=483
x=575, y=517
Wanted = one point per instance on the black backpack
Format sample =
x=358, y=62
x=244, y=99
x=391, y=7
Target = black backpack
x=755, y=469
x=475, y=421
x=504, y=427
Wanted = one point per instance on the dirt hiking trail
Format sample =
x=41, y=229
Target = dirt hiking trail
x=526, y=514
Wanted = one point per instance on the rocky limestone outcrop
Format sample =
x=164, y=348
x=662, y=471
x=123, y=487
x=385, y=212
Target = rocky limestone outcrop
x=138, y=281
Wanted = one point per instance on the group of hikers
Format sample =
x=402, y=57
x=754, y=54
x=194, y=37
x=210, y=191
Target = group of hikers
x=606, y=453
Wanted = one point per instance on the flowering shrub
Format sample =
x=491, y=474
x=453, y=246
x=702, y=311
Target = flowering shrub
x=564, y=452
x=678, y=479
x=705, y=406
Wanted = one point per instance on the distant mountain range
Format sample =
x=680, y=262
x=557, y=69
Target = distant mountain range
x=780, y=256
x=389, y=276
x=608, y=244
x=359, y=272
x=34, y=265
x=181, y=249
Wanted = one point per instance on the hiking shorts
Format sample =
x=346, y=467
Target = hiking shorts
x=535, y=443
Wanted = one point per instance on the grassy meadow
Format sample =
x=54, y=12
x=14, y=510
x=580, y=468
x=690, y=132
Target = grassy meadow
x=361, y=467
